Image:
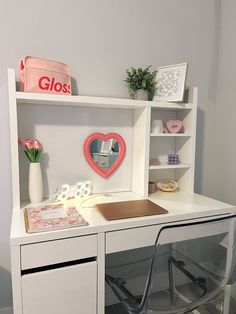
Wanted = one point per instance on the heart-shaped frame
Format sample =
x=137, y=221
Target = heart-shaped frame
x=104, y=137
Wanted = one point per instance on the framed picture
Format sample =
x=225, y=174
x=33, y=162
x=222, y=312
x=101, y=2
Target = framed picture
x=171, y=82
x=106, y=146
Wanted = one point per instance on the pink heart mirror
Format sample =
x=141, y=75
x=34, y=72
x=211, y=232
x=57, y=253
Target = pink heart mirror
x=104, y=153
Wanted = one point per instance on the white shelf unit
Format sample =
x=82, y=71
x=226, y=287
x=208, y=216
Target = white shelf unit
x=182, y=144
x=57, y=119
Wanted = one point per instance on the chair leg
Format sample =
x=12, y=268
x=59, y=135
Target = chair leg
x=227, y=295
x=171, y=281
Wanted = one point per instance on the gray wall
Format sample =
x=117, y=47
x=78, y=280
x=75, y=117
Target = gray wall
x=223, y=176
x=99, y=40
x=223, y=170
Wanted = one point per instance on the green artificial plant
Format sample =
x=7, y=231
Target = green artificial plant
x=141, y=78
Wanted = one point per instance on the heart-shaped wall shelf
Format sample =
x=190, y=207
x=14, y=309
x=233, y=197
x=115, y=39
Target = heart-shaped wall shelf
x=104, y=152
x=174, y=126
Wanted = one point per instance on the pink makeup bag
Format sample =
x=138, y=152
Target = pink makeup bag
x=44, y=76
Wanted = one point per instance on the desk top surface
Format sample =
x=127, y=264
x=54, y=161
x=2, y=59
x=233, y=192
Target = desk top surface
x=180, y=206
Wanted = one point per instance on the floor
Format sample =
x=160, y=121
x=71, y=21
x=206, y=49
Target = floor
x=205, y=309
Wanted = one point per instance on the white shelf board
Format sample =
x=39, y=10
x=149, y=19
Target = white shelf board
x=80, y=101
x=92, y=101
x=170, y=135
x=167, y=166
x=160, y=105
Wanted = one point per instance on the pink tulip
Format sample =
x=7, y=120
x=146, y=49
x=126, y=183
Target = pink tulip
x=37, y=144
x=21, y=142
x=29, y=143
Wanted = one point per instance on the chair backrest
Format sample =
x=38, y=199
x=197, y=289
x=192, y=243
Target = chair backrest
x=190, y=265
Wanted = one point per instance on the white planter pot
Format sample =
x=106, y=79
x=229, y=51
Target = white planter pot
x=35, y=183
x=141, y=94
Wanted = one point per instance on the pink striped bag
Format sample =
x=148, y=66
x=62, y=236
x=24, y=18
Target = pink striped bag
x=44, y=76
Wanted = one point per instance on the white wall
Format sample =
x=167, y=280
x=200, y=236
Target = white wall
x=99, y=40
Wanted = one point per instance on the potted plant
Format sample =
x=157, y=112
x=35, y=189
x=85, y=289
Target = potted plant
x=141, y=82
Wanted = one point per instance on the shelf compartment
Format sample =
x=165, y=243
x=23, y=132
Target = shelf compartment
x=63, y=131
x=165, y=115
x=167, y=166
x=183, y=176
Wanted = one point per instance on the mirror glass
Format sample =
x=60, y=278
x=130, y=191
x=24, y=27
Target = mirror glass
x=105, y=153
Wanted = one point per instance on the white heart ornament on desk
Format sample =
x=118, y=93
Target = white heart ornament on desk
x=174, y=126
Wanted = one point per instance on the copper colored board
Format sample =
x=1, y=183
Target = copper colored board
x=129, y=209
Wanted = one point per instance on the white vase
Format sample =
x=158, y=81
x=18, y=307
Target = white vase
x=141, y=94
x=35, y=183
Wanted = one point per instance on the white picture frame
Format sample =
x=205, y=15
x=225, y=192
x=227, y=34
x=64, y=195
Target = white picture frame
x=106, y=146
x=170, y=81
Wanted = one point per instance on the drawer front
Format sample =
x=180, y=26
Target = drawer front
x=58, y=251
x=128, y=239
x=66, y=290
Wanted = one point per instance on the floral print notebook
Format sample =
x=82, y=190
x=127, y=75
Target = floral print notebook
x=52, y=217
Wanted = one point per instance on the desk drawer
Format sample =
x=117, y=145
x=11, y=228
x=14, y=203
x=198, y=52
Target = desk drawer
x=66, y=290
x=128, y=239
x=58, y=251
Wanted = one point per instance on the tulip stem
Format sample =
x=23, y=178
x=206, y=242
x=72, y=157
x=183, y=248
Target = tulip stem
x=29, y=156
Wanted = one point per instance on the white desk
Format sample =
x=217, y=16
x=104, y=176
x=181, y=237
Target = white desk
x=81, y=284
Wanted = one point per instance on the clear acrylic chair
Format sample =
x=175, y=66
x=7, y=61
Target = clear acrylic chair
x=190, y=265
